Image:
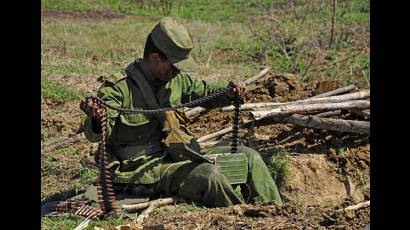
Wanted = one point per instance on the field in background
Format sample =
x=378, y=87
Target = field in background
x=83, y=40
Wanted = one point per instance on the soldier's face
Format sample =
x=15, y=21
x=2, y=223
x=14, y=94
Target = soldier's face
x=163, y=70
x=166, y=71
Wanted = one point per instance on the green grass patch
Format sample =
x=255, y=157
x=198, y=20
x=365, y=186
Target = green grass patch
x=278, y=167
x=189, y=207
x=70, y=221
x=211, y=11
x=59, y=92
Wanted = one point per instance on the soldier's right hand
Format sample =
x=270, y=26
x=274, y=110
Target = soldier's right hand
x=91, y=108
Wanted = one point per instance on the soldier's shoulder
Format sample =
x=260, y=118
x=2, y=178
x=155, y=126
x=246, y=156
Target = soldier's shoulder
x=112, y=79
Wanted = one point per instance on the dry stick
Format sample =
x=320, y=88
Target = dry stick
x=335, y=92
x=292, y=109
x=61, y=143
x=222, y=132
x=198, y=109
x=333, y=24
x=257, y=76
x=308, y=67
x=355, y=207
x=153, y=204
x=350, y=96
x=135, y=207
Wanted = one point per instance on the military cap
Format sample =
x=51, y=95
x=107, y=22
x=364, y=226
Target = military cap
x=174, y=40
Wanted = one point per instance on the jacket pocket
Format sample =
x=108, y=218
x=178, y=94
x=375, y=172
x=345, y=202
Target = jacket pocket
x=132, y=128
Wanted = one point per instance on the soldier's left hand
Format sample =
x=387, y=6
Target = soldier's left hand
x=238, y=86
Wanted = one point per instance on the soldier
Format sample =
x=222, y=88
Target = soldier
x=144, y=147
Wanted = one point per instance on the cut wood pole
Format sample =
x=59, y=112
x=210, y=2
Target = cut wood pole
x=329, y=113
x=78, y=137
x=316, y=122
x=336, y=91
x=332, y=99
x=350, y=96
x=294, y=109
x=309, y=121
x=197, y=110
x=257, y=76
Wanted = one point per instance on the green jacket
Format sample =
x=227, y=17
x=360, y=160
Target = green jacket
x=135, y=139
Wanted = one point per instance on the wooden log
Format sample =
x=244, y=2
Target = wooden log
x=327, y=123
x=71, y=140
x=336, y=91
x=294, y=109
x=197, y=110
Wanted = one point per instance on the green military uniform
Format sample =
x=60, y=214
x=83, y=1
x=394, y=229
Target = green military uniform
x=136, y=141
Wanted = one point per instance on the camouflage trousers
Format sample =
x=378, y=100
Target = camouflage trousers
x=203, y=182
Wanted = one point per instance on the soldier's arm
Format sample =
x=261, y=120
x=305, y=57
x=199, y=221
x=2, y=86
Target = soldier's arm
x=194, y=89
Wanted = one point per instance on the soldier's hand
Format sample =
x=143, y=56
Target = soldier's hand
x=91, y=108
x=237, y=86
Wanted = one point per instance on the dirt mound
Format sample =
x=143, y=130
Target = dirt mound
x=326, y=167
x=283, y=87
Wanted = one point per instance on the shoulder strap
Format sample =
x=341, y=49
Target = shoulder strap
x=146, y=90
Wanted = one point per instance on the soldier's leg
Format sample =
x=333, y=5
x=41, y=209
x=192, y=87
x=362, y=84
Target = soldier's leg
x=260, y=186
x=200, y=182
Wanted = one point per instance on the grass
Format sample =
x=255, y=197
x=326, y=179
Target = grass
x=59, y=92
x=278, y=167
x=70, y=221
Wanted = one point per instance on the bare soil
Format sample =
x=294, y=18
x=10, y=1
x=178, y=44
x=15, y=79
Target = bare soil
x=261, y=216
